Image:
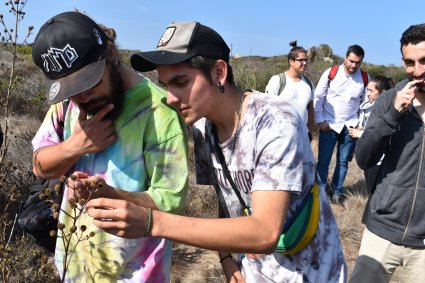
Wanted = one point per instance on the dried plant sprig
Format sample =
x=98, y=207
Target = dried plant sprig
x=77, y=206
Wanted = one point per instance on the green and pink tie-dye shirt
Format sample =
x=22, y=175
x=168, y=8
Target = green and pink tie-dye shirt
x=150, y=155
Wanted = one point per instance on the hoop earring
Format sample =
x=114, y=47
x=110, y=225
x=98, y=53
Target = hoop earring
x=220, y=87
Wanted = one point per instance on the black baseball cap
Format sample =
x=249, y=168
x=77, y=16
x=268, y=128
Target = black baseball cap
x=70, y=49
x=180, y=42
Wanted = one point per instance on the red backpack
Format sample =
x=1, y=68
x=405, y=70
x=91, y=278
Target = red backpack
x=334, y=70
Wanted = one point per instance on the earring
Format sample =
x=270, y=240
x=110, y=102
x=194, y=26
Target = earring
x=220, y=87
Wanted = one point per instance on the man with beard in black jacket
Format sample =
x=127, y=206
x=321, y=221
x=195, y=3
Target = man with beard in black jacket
x=395, y=222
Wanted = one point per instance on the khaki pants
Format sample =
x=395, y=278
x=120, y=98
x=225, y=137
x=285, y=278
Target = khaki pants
x=378, y=259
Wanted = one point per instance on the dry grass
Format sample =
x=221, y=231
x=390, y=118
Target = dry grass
x=21, y=260
x=21, y=131
x=190, y=264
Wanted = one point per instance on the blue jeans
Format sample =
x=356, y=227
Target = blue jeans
x=344, y=154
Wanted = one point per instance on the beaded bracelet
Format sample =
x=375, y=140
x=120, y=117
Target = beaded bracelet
x=149, y=225
x=224, y=257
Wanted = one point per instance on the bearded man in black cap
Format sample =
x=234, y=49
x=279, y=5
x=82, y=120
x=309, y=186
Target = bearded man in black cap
x=118, y=131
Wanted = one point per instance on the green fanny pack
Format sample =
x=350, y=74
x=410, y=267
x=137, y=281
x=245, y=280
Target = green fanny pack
x=298, y=231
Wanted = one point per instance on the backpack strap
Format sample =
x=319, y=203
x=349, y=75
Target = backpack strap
x=332, y=73
x=334, y=70
x=308, y=82
x=364, y=77
x=223, y=210
x=282, y=79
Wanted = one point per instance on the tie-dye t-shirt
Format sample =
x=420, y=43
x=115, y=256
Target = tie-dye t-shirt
x=272, y=152
x=150, y=154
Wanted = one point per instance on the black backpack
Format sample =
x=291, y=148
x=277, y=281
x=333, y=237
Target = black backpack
x=35, y=215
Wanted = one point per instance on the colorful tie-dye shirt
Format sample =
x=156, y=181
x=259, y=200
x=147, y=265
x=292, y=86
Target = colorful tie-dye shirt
x=272, y=152
x=150, y=155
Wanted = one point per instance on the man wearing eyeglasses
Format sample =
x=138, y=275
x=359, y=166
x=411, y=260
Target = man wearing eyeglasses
x=336, y=109
x=294, y=87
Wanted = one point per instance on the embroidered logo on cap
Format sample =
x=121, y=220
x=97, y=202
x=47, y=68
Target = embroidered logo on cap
x=166, y=37
x=54, y=90
x=56, y=59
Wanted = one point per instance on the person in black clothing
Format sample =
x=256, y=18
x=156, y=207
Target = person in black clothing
x=395, y=222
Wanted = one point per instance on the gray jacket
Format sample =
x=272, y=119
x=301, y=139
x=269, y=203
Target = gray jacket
x=397, y=208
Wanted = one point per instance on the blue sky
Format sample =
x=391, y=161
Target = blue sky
x=252, y=27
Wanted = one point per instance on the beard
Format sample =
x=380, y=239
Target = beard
x=351, y=70
x=420, y=87
x=115, y=96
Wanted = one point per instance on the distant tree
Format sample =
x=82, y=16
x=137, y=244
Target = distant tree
x=325, y=50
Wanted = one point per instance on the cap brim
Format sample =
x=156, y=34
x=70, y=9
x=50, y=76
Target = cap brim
x=147, y=61
x=75, y=83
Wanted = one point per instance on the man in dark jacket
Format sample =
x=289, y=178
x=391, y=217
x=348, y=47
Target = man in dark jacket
x=395, y=221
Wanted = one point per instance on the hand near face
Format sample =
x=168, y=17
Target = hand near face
x=94, y=134
x=118, y=217
x=405, y=96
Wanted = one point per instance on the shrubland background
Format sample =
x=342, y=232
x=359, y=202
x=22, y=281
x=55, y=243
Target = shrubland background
x=20, y=258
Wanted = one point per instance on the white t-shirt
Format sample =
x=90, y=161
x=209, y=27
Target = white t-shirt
x=298, y=93
x=272, y=152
